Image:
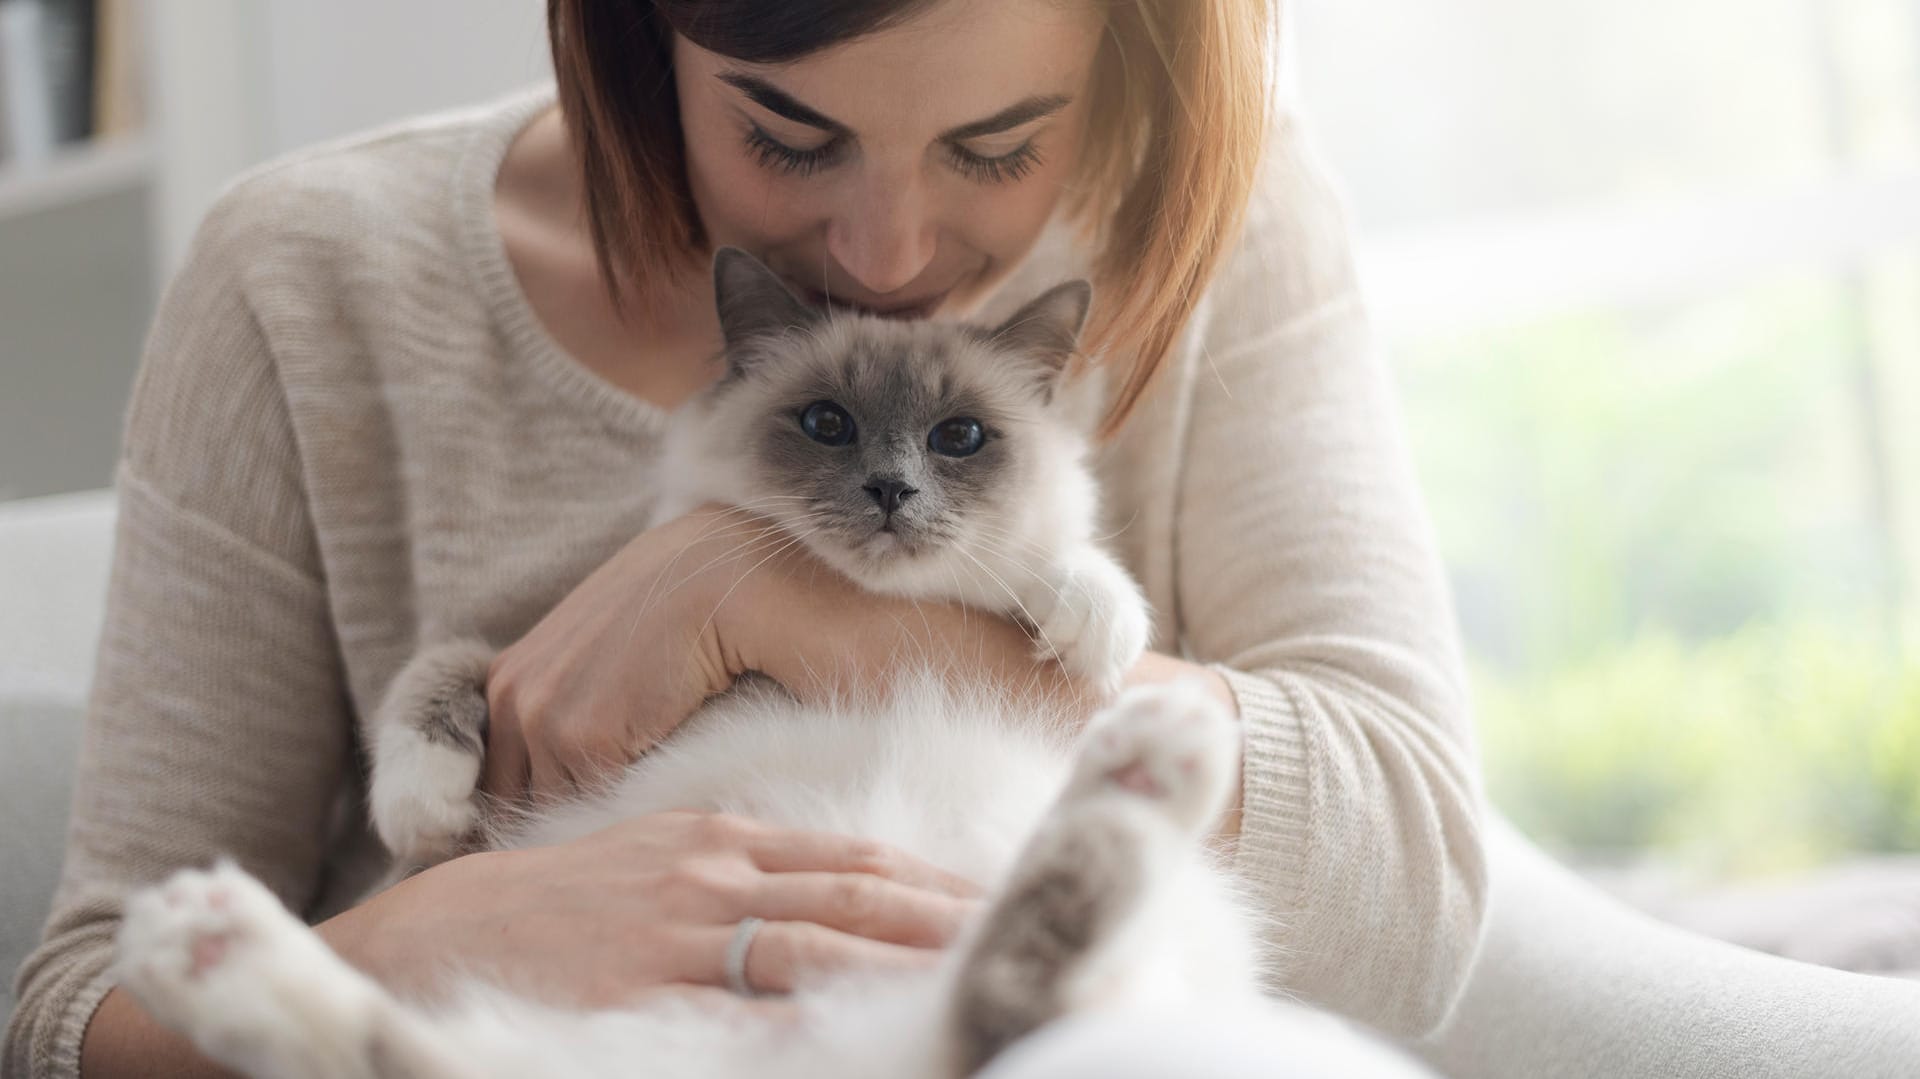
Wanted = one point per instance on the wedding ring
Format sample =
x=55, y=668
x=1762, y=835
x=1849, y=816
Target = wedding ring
x=737, y=948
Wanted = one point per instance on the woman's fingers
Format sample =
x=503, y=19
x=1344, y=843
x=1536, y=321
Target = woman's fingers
x=780, y=850
x=866, y=906
x=782, y=954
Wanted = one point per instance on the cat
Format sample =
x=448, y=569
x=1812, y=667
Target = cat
x=924, y=460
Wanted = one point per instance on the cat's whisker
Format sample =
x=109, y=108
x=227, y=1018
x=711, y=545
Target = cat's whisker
x=646, y=601
x=925, y=622
x=758, y=531
x=744, y=549
x=965, y=609
x=767, y=500
x=988, y=528
x=1012, y=596
x=653, y=589
x=1032, y=574
x=988, y=531
x=791, y=542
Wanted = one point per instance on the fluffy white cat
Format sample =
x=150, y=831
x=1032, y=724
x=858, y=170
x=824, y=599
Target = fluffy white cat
x=920, y=460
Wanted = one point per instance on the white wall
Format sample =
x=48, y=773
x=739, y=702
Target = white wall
x=344, y=65
x=237, y=82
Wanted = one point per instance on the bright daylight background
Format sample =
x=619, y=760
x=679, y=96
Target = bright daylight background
x=1648, y=270
x=1650, y=276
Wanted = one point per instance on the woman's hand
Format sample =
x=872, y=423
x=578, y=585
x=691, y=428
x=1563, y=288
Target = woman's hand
x=683, y=610
x=631, y=652
x=653, y=902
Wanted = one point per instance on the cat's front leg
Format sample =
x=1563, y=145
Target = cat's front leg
x=215, y=957
x=428, y=745
x=1090, y=616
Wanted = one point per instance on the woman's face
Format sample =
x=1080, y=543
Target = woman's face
x=905, y=172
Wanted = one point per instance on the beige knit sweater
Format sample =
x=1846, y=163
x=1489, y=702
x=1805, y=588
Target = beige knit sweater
x=350, y=428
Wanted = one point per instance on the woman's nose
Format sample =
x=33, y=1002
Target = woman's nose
x=883, y=238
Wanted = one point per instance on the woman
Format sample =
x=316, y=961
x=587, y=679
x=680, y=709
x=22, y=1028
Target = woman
x=411, y=385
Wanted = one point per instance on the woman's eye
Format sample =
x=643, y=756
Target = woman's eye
x=777, y=155
x=1012, y=165
x=960, y=437
x=827, y=423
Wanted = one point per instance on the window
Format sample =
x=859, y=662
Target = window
x=1650, y=276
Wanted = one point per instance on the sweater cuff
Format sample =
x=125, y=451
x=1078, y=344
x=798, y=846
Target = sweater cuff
x=74, y=1020
x=49, y=1022
x=1275, y=806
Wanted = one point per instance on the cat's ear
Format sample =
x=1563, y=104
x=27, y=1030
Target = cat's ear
x=752, y=300
x=1047, y=329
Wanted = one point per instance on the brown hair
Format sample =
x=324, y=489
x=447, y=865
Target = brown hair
x=1172, y=148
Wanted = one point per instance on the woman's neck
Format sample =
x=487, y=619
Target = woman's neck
x=660, y=348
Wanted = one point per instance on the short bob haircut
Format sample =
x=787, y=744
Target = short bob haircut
x=1182, y=93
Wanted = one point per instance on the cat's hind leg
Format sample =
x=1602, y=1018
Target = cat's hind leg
x=214, y=956
x=1154, y=772
x=429, y=740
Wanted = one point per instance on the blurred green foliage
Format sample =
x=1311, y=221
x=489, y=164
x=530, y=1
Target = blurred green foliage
x=1767, y=749
x=1678, y=585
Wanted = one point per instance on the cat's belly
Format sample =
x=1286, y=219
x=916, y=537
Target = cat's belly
x=956, y=776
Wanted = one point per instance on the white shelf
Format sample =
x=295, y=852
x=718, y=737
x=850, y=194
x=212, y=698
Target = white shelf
x=75, y=175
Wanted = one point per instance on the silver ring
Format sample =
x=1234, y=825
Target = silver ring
x=737, y=949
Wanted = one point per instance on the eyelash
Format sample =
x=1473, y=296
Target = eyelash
x=774, y=154
x=1013, y=165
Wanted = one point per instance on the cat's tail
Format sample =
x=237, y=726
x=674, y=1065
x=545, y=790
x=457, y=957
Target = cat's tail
x=428, y=741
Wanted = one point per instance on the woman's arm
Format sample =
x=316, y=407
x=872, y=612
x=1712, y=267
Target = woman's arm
x=1307, y=573
x=216, y=723
x=642, y=906
x=123, y=1039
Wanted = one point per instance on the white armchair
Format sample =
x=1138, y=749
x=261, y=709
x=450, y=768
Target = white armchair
x=54, y=558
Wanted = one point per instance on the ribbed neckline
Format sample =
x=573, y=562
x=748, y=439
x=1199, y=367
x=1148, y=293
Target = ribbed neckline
x=526, y=337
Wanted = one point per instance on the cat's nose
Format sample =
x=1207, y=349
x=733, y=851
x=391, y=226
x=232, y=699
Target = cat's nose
x=888, y=492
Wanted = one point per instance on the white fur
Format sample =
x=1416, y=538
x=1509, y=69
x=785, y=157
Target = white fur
x=963, y=776
x=932, y=769
x=1039, y=562
x=422, y=796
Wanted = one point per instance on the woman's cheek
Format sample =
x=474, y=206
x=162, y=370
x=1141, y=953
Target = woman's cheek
x=747, y=204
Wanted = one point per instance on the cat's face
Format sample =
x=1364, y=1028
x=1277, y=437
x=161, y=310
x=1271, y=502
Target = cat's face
x=882, y=443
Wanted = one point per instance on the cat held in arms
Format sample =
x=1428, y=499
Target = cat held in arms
x=924, y=460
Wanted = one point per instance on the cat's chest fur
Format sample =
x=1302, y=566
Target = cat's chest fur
x=947, y=771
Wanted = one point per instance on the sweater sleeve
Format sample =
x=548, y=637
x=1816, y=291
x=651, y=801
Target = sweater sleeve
x=217, y=723
x=1307, y=574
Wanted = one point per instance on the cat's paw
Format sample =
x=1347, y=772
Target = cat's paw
x=195, y=950
x=214, y=956
x=1170, y=744
x=1096, y=624
x=425, y=798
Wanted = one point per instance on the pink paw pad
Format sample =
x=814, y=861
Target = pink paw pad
x=207, y=951
x=1136, y=777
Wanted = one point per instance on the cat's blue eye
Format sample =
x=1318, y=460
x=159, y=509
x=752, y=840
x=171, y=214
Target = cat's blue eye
x=827, y=423
x=958, y=437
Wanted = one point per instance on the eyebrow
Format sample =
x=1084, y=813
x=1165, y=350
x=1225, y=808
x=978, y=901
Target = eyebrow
x=780, y=103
